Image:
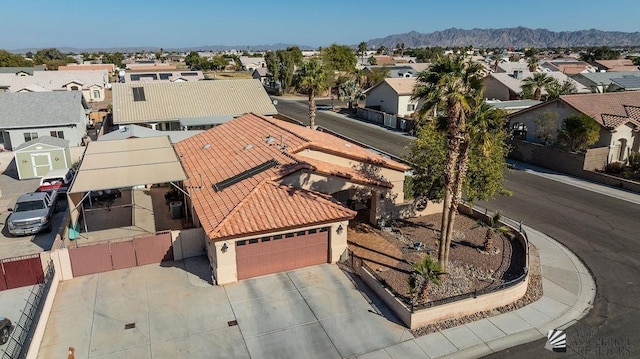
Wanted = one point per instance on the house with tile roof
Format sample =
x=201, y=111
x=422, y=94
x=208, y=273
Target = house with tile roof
x=30, y=115
x=163, y=76
x=393, y=96
x=92, y=83
x=192, y=105
x=273, y=196
x=620, y=65
x=508, y=86
x=618, y=114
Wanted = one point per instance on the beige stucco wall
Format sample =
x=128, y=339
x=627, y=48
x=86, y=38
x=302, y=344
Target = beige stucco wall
x=624, y=132
x=88, y=94
x=385, y=97
x=187, y=243
x=529, y=117
x=395, y=177
x=403, y=101
x=224, y=265
x=495, y=90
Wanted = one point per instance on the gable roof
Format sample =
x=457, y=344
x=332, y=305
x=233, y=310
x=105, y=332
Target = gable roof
x=515, y=84
x=46, y=140
x=251, y=203
x=16, y=70
x=402, y=86
x=617, y=65
x=606, y=78
x=173, y=101
x=55, y=80
x=39, y=109
x=610, y=109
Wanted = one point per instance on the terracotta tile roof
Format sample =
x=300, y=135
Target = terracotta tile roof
x=250, y=205
x=618, y=65
x=351, y=174
x=271, y=207
x=609, y=109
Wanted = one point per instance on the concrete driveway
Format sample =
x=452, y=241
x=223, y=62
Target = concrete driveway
x=314, y=312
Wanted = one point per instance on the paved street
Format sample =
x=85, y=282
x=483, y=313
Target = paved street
x=603, y=231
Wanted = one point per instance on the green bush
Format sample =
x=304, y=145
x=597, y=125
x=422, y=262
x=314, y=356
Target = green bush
x=614, y=167
x=634, y=161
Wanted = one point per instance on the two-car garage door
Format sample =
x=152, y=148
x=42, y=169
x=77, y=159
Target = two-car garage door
x=272, y=254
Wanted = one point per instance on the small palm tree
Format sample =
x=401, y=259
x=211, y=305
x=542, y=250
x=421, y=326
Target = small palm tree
x=493, y=227
x=534, y=85
x=424, y=272
x=602, y=88
x=313, y=79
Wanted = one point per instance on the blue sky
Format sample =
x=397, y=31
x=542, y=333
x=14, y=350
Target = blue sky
x=190, y=23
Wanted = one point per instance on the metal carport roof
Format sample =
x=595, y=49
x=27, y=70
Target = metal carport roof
x=127, y=163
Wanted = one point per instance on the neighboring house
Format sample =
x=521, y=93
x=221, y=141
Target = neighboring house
x=514, y=105
x=510, y=67
x=397, y=71
x=164, y=76
x=616, y=81
x=263, y=75
x=618, y=114
x=150, y=66
x=27, y=116
x=21, y=71
x=569, y=67
x=621, y=65
x=195, y=105
x=39, y=156
x=393, y=96
x=111, y=68
x=135, y=131
x=252, y=63
x=267, y=194
x=508, y=86
x=92, y=83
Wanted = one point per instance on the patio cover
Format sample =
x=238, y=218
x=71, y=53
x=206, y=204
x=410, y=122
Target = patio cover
x=127, y=163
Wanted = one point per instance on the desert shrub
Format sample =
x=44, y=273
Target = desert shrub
x=634, y=161
x=614, y=167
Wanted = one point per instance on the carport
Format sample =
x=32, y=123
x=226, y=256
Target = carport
x=130, y=165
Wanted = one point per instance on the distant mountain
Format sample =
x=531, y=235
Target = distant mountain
x=517, y=37
x=251, y=48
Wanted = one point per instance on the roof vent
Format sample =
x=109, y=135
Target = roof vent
x=270, y=140
x=247, y=147
x=206, y=146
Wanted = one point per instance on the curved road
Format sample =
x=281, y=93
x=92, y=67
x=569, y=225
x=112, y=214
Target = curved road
x=603, y=231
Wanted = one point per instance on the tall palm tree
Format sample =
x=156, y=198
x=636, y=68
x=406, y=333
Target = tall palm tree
x=446, y=90
x=534, y=85
x=533, y=62
x=362, y=50
x=313, y=79
x=424, y=272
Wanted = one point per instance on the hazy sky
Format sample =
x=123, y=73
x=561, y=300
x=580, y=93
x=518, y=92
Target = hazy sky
x=185, y=23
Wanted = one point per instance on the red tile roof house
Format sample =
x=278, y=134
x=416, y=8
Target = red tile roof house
x=266, y=194
x=618, y=114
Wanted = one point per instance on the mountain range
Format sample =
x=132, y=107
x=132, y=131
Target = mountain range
x=517, y=37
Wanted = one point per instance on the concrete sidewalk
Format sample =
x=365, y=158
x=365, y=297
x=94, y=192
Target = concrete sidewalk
x=568, y=294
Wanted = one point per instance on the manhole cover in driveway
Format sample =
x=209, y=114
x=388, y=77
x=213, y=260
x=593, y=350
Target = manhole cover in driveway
x=232, y=323
x=129, y=326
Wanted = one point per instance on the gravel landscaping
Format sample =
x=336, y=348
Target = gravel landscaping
x=391, y=252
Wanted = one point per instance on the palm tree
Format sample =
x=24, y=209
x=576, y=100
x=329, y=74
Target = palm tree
x=557, y=89
x=424, y=272
x=533, y=62
x=493, y=226
x=446, y=90
x=497, y=59
x=362, y=50
x=534, y=85
x=602, y=88
x=313, y=79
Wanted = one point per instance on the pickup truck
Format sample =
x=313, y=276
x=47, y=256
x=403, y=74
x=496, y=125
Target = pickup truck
x=33, y=213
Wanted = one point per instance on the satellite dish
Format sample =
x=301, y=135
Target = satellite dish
x=275, y=102
x=121, y=73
